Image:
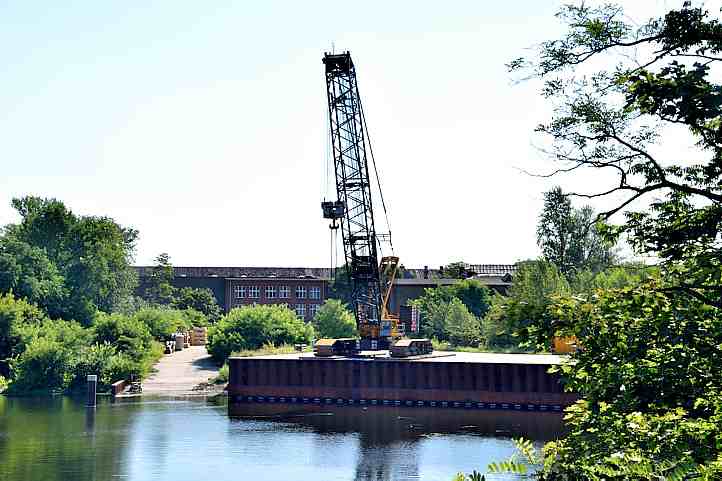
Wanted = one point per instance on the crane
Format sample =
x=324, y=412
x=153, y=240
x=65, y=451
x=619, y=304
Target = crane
x=371, y=279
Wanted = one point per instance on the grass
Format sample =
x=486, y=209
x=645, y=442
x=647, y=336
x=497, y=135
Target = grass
x=447, y=346
x=269, y=350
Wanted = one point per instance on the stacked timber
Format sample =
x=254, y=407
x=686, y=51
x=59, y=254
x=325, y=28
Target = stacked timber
x=198, y=336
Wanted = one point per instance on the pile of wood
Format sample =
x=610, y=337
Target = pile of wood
x=198, y=336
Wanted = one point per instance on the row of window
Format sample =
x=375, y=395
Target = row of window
x=301, y=310
x=282, y=292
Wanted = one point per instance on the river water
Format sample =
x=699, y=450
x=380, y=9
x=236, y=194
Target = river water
x=202, y=440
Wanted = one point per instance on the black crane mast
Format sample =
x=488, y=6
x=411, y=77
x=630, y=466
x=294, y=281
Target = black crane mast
x=354, y=207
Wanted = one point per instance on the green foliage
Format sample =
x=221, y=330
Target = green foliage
x=570, y=238
x=455, y=270
x=334, y=320
x=70, y=265
x=92, y=359
x=54, y=355
x=27, y=272
x=3, y=384
x=340, y=286
x=127, y=334
x=648, y=376
x=250, y=327
x=199, y=300
x=163, y=322
x=462, y=327
x=13, y=314
x=160, y=288
x=435, y=306
x=531, y=294
x=43, y=365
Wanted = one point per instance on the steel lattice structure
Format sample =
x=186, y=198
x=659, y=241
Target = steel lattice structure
x=353, y=186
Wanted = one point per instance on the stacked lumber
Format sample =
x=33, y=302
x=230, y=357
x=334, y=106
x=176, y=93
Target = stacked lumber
x=198, y=336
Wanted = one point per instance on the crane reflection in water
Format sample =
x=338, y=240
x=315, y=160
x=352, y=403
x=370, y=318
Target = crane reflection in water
x=391, y=440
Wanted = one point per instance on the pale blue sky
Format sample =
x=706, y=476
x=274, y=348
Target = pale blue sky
x=203, y=124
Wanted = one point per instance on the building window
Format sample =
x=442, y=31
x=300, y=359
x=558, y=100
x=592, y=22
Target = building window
x=314, y=293
x=283, y=292
x=270, y=292
x=300, y=292
x=239, y=291
x=313, y=309
x=301, y=310
x=254, y=292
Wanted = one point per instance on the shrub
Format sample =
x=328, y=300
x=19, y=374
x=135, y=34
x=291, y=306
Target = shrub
x=127, y=334
x=462, y=327
x=334, y=320
x=44, y=365
x=91, y=360
x=120, y=366
x=13, y=314
x=253, y=326
x=3, y=384
x=163, y=323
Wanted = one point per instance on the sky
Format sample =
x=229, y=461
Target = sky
x=204, y=125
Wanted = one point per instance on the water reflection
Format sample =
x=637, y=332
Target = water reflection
x=160, y=439
x=391, y=440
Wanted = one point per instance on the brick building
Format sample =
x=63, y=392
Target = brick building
x=303, y=294
x=303, y=289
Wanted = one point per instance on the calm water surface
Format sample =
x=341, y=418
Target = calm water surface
x=165, y=439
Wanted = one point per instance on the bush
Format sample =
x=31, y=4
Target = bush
x=3, y=384
x=91, y=360
x=13, y=314
x=253, y=326
x=120, y=366
x=462, y=327
x=163, y=323
x=127, y=334
x=334, y=320
x=44, y=365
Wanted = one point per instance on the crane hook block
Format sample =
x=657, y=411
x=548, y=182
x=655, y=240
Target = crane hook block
x=333, y=210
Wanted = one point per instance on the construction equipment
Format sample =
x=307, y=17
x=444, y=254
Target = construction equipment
x=371, y=280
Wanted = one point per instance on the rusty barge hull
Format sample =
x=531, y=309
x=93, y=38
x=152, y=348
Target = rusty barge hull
x=462, y=380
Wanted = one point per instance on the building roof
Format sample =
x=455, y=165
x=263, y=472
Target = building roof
x=412, y=274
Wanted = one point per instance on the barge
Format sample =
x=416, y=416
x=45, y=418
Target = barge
x=441, y=380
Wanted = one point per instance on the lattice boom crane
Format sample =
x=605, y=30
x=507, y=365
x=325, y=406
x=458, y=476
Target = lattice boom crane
x=371, y=280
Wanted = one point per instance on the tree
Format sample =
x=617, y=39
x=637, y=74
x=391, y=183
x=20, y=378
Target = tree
x=334, y=320
x=27, y=273
x=532, y=292
x=201, y=300
x=340, y=286
x=473, y=294
x=92, y=254
x=160, y=288
x=455, y=270
x=569, y=238
x=651, y=393
x=436, y=304
x=462, y=327
x=664, y=75
x=651, y=403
